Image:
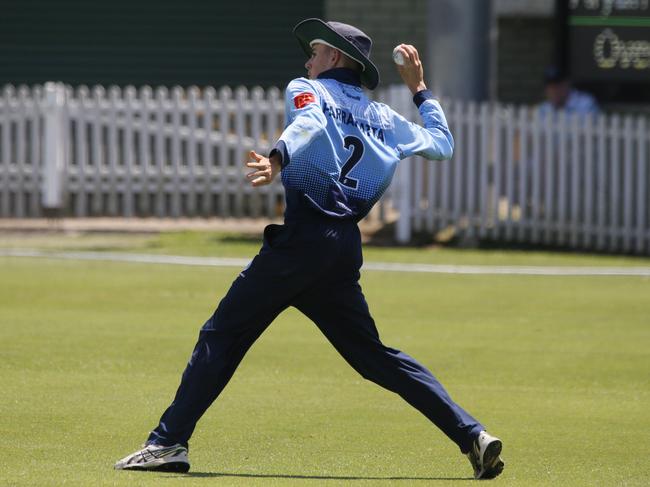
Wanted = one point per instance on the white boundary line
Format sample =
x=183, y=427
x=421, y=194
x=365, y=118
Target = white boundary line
x=369, y=266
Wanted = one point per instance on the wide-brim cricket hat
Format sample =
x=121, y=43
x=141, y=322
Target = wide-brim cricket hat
x=346, y=38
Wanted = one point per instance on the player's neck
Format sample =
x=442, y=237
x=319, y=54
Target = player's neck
x=344, y=75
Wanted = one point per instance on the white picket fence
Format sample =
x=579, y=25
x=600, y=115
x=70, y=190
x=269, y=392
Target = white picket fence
x=567, y=181
x=136, y=153
x=514, y=177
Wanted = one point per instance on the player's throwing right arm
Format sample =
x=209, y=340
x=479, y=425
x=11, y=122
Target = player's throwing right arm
x=434, y=140
x=411, y=71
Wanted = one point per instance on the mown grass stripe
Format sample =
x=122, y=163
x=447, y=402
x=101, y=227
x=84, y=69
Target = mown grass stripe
x=368, y=266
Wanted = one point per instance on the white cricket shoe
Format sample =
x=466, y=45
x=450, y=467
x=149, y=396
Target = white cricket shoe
x=484, y=456
x=157, y=457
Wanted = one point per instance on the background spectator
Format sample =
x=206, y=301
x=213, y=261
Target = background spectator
x=561, y=95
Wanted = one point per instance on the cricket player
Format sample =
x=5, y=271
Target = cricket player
x=336, y=157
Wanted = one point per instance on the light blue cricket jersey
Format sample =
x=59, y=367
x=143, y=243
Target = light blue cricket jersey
x=340, y=150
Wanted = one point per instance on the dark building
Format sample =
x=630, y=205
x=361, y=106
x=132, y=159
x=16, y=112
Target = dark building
x=151, y=42
x=249, y=42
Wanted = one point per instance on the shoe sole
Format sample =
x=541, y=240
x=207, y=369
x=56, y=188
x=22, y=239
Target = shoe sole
x=175, y=467
x=492, y=464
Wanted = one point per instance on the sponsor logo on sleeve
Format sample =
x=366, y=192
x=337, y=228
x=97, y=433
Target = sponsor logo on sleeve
x=303, y=99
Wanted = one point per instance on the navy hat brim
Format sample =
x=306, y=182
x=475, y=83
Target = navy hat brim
x=310, y=29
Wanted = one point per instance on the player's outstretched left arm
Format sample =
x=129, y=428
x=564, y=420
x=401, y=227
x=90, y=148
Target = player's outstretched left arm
x=265, y=169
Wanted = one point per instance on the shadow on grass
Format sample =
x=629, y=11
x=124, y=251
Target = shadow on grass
x=238, y=238
x=311, y=477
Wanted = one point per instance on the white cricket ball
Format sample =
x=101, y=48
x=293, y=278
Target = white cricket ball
x=398, y=57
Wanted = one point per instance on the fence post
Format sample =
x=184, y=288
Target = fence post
x=399, y=98
x=53, y=146
x=403, y=224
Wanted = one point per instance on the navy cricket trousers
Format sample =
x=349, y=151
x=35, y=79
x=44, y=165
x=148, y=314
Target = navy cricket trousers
x=313, y=266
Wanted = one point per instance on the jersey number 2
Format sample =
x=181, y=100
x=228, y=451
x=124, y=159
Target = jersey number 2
x=357, y=153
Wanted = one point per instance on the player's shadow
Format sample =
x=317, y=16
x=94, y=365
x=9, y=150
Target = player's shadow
x=314, y=477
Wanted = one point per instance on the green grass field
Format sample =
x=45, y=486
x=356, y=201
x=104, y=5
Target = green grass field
x=558, y=367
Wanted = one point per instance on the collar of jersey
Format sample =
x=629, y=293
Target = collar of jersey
x=344, y=75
